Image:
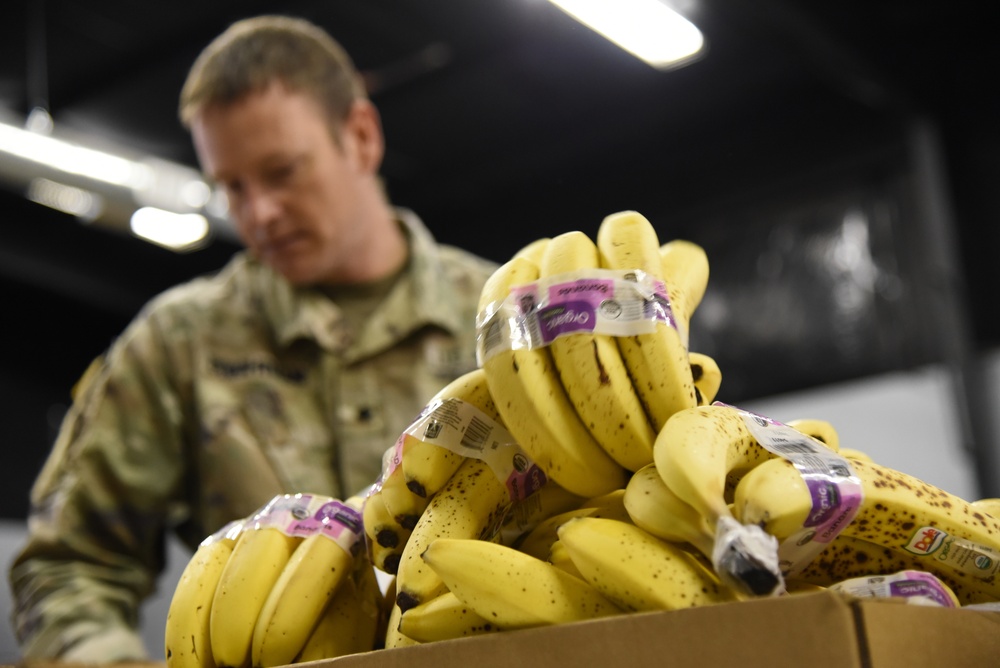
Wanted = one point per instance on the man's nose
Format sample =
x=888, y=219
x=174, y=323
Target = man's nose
x=260, y=207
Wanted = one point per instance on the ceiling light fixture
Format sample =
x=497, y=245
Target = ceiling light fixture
x=648, y=29
x=112, y=190
x=176, y=231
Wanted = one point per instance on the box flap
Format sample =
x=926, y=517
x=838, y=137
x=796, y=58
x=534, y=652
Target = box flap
x=909, y=635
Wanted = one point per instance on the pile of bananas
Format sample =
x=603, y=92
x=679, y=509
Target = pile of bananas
x=586, y=469
x=291, y=583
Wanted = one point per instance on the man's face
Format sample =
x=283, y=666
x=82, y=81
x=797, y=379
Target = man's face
x=293, y=191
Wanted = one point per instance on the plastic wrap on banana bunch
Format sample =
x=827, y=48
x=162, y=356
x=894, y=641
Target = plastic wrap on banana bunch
x=914, y=587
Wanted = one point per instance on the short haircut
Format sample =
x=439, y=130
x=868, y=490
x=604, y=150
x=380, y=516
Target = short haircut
x=254, y=53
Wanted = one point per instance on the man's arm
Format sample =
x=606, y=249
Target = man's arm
x=99, y=510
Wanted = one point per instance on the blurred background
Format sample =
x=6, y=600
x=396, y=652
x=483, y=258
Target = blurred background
x=837, y=161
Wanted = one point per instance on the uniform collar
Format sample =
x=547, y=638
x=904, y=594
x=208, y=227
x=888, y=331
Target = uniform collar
x=421, y=297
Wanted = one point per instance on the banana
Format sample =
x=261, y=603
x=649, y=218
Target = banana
x=525, y=386
x=393, y=637
x=707, y=377
x=895, y=510
x=638, y=571
x=990, y=506
x=538, y=542
x=444, y=617
x=848, y=557
x=821, y=430
x=550, y=499
x=654, y=507
x=657, y=361
x=350, y=622
x=701, y=453
x=560, y=557
x=260, y=554
x=686, y=270
x=427, y=464
x=316, y=570
x=471, y=505
x=386, y=537
x=400, y=501
x=855, y=454
x=533, y=250
x=187, y=640
x=513, y=589
x=589, y=364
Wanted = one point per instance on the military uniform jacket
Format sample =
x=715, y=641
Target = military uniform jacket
x=222, y=393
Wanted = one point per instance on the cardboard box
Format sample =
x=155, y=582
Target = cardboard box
x=817, y=630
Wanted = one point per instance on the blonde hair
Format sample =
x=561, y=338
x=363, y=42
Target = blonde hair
x=253, y=53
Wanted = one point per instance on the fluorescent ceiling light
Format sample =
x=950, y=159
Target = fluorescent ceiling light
x=68, y=199
x=177, y=231
x=648, y=29
x=72, y=158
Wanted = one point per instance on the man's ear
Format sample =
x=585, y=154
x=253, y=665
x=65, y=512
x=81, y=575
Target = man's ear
x=362, y=134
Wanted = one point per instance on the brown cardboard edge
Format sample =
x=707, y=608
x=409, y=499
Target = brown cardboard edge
x=817, y=629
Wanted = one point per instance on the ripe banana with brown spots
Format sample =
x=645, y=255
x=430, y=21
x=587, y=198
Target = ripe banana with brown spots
x=895, y=510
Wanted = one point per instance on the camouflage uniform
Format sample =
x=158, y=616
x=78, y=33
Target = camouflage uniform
x=224, y=392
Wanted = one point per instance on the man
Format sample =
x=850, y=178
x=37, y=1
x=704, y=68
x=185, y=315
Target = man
x=292, y=370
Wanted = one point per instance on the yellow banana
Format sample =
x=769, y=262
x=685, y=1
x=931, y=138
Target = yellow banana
x=821, y=430
x=654, y=507
x=350, y=622
x=657, y=361
x=550, y=499
x=560, y=557
x=685, y=269
x=895, y=510
x=427, y=462
x=533, y=250
x=187, y=639
x=444, y=617
x=400, y=501
x=638, y=571
x=525, y=386
x=318, y=567
x=539, y=540
x=258, y=558
x=854, y=454
x=513, y=589
x=700, y=454
x=848, y=557
x=589, y=364
x=471, y=505
x=707, y=377
x=386, y=537
x=393, y=636
x=990, y=506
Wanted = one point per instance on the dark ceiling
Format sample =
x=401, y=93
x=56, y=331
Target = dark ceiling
x=505, y=121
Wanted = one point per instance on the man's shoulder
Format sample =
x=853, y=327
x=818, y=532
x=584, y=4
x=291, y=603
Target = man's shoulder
x=228, y=288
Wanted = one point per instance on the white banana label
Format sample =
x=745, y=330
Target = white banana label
x=593, y=301
x=307, y=514
x=836, y=492
x=976, y=560
x=914, y=586
x=465, y=430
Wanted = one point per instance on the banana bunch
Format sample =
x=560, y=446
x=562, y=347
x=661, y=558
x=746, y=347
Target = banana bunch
x=901, y=523
x=458, y=423
x=267, y=591
x=584, y=344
